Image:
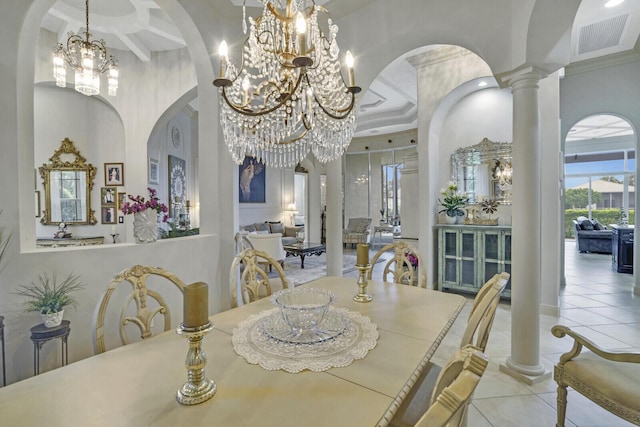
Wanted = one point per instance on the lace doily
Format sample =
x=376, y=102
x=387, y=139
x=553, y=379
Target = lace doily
x=349, y=337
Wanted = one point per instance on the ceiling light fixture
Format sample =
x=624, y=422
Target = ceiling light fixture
x=89, y=60
x=288, y=96
x=613, y=3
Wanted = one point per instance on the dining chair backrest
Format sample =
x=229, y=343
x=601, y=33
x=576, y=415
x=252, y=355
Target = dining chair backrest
x=242, y=241
x=483, y=311
x=249, y=281
x=146, y=309
x=406, y=266
x=454, y=388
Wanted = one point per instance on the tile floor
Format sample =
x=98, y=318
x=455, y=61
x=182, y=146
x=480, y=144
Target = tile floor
x=596, y=302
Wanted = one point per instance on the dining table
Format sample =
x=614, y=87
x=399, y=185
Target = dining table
x=136, y=384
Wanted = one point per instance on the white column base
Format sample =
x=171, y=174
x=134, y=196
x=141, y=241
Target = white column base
x=529, y=375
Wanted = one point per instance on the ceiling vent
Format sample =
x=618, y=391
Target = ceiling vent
x=601, y=35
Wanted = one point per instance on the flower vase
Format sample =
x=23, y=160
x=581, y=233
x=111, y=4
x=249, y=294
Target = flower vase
x=145, y=226
x=52, y=320
x=450, y=219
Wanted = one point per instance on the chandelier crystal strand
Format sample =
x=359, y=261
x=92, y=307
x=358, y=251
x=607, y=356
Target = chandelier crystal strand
x=89, y=60
x=287, y=97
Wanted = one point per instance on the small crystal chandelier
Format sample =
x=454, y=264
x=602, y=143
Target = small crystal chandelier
x=89, y=59
x=288, y=96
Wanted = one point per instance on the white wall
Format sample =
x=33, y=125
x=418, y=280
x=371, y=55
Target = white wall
x=484, y=114
x=95, y=130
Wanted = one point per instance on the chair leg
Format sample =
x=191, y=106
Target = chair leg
x=561, y=405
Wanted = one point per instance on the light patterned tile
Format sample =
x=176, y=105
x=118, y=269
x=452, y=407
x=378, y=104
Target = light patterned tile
x=584, y=317
x=615, y=313
x=498, y=384
x=583, y=412
x=476, y=419
x=517, y=411
x=628, y=334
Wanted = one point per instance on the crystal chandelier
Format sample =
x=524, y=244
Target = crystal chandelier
x=288, y=96
x=89, y=60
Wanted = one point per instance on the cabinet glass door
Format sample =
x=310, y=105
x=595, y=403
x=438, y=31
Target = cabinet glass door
x=450, y=256
x=468, y=259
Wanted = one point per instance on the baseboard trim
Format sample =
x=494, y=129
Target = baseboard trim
x=550, y=310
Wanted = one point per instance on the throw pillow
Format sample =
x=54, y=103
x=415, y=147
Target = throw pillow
x=597, y=225
x=261, y=226
x=262, y=232
x=276, y=227
x=587, y=225
x=249, y=228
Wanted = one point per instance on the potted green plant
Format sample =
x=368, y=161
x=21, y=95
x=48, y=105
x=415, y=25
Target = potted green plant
x=49, y=298
x=452, y=201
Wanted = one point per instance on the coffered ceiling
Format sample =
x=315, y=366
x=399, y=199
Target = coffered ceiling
x=389, y=103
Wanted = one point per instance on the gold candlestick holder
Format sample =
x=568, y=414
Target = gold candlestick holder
x=362, y=295
x=198, y=387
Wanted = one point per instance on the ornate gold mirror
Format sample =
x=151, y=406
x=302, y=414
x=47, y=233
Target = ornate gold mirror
x=483, y=171
x=67, y=181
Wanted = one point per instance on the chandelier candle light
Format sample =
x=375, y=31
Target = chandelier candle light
x=195, y=326
x=89, y=60
x=363, y=266
x=287, y=97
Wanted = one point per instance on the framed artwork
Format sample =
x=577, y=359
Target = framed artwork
x=108, y=215
x=114, y=174
x=38, y=207
x=108, y=196
x=252, y=179
x=154, y=171
x=177, y=183
x=122, y=197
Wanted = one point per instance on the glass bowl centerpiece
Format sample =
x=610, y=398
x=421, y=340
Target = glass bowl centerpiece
x=303, y=309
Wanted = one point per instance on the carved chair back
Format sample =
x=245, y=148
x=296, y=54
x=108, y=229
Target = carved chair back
x=400, y=266
x=249, y=281
x=135, y=276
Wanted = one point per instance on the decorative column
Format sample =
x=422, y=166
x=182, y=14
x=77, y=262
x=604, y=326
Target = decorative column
x=524, y=361
x=409, y=210
x=334, y=218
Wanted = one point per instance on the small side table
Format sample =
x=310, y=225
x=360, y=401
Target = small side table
x=4, y=371
x=40, y=334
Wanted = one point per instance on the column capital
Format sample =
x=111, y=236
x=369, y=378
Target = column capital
x=526, y=76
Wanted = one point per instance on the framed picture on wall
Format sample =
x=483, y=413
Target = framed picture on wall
x=154, y=171
x=122, y=197
x=108, y=215
x=114, y=174
x=108, y=196
x=177, y=183
x=252, y=178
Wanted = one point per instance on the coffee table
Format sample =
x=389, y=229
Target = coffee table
x=304, y=249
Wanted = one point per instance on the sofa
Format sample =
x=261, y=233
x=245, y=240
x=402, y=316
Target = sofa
x=288, y=232
x=591, y=236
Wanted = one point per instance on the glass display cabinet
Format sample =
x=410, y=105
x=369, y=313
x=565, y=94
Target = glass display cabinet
x=469, y=255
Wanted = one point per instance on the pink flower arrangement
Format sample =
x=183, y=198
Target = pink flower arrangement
x=139, y=204
x=412, y=259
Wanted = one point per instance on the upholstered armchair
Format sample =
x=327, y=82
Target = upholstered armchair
x=357, y=231
x=608, y=378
